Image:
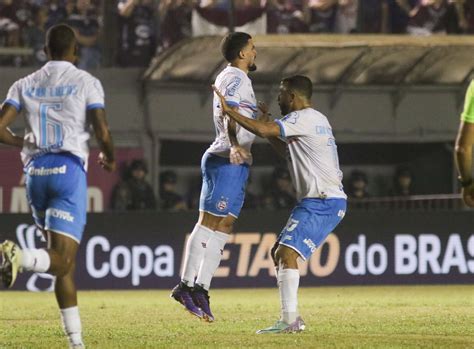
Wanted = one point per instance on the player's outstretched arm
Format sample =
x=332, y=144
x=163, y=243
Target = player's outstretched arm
x=260, y=128
x=238, y=155
x=463, y=160
x=104, y=138
x=8, y=114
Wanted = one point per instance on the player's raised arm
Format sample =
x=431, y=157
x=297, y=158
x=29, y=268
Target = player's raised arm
x=8, y=114
x=260, y=128
x=103, y=137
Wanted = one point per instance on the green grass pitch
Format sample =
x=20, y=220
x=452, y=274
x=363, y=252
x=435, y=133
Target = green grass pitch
x=336, y=317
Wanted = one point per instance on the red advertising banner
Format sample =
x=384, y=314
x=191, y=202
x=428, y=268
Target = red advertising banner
x=100, y=183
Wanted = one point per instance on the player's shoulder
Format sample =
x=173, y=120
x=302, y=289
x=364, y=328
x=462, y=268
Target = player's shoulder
x=29, y=79
x=86, y=76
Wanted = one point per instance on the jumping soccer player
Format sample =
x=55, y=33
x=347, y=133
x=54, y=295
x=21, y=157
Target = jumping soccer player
x=58, y=101
x=305, y=137
x=225, y=169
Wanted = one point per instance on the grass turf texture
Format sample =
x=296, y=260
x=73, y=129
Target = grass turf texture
x=336, y=317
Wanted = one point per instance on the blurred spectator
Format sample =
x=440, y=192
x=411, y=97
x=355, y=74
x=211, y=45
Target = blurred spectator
x=402, y=182
x=357, y=187
x=9, y=24
x=134, y=192
x=399, y=14
x=281, y=193
x=373, y=16
x=194, y=192
x=429, y=17
x=58, y=11
x=321, y=15
x=170, y=199
x=84, y=20
x=463, y=11
x=175, y=21
x=286, y=16
x=138, y=32
x=36, y=35
x=252, y=200
x=346, y=16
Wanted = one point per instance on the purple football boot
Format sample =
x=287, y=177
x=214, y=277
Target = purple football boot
x=201, y=299
x=183, y=294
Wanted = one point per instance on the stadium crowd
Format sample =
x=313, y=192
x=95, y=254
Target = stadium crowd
x=150, y=26
x=272, y=191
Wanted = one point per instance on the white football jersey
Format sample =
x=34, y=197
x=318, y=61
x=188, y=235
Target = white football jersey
x=54, y=100
x=237, y=88
x=312, y=155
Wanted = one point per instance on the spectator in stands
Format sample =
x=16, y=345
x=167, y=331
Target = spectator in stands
x=170, y=199
x=58, y=11
x=357, y=187
x=321, y=15
x=175, y=21
x=346, y=16
x=84, y=20
x=399, y=14
x=36, y=35
x=134, y=192
x=9, y=26
x=252, y=201
x=373, y=16
x=429, y=17
x=286, y=16
x=281, y=193
x=402, y=182
x=463, y=11
x=138, y=32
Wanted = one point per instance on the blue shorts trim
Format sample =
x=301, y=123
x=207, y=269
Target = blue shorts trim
x=56, y=187
x=223, y=186
x=310, y=222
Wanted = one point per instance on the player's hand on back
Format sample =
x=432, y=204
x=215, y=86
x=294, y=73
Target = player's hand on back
x=468, y=195
x=225, y=107
x=106, y=164
x=238, y=155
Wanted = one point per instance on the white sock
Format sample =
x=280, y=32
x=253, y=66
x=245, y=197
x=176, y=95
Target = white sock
x=36, y=260
x=195, y=249
x=72, y=324
x=212, y=258
x=288, y=282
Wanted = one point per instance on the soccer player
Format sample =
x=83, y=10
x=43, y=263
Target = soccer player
x=305, y=138
x=463, y=149
x=58, y=102
x=225, y=169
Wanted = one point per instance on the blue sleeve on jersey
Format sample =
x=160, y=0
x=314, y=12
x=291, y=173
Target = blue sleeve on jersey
x=95, y=106
x=13, y=103
x=232, y=103
x=282, y=128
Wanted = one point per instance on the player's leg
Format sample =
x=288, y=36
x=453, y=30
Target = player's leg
x=212, y=258
x=63, y=250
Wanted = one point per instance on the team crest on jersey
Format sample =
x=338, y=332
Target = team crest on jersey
x=291, y=118
x=222, y=204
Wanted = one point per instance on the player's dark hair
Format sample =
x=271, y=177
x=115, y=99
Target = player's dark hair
x=299, y=84
x=232, y=44
x=59, y=40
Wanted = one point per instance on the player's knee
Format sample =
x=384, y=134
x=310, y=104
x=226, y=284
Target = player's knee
x=286, y=258
x=67, y=265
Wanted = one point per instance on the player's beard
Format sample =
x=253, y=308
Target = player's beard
x=253, y=67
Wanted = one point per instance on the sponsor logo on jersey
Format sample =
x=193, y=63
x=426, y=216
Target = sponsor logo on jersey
x=41, y=171
x=310, y=244
x=64, y=215
x=233, y=86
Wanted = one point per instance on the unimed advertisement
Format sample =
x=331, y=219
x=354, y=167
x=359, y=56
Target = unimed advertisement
x=145, y=250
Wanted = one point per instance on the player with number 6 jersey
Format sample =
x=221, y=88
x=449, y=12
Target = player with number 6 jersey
x=58, y=102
